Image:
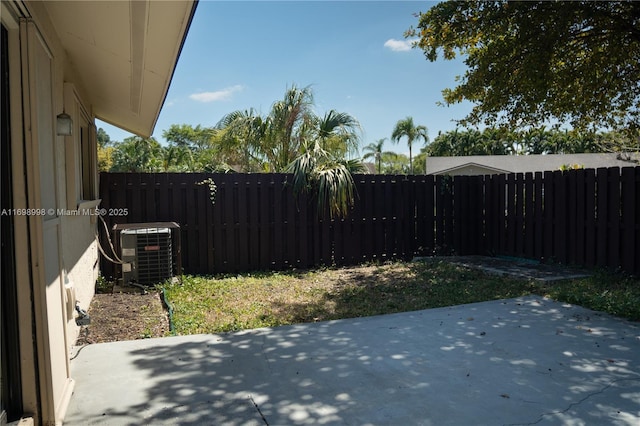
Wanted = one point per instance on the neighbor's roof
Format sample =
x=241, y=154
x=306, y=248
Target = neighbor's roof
x=125, y=53
x=525, y=163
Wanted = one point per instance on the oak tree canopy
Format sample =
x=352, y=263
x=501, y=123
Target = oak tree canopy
x=531, y=63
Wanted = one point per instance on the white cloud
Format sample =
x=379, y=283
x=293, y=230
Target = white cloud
x=399, y=45
x=219, y=95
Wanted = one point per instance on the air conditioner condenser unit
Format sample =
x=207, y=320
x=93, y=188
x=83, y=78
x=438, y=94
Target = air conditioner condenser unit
x=146, y=255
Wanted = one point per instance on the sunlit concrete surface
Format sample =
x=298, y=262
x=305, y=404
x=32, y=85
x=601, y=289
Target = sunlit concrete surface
x=510, y=362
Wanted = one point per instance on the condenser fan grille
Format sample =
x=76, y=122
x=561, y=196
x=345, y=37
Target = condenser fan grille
x=148, y=255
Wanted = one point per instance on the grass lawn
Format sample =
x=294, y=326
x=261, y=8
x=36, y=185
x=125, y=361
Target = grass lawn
x=218, y=304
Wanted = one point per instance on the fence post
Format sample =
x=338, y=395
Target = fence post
x=529, y=216
x=613, y=243
x=630, y=189
x=408, y=234
x=576, y=217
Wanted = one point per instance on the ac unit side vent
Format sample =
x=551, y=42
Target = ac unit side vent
x=148, y=254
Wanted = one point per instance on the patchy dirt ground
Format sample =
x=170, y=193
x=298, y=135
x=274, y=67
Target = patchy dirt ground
x=129, y=314
x=125, y=314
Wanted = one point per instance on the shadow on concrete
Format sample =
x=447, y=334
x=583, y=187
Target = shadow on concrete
x=518, y=361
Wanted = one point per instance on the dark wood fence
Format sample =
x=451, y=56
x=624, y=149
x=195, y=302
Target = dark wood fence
x=581, y=217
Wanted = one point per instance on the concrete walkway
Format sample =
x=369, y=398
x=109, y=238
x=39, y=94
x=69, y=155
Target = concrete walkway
x=519, y=361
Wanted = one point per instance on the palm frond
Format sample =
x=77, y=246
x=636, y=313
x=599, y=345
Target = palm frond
x=335, y=189
x=302, y=169
x=327, y=178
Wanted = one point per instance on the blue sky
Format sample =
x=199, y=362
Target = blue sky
x=243, y=54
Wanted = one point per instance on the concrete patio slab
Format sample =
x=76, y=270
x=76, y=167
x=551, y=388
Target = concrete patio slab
x=511, y=362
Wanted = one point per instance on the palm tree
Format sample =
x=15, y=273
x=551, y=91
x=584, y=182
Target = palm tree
x=176, y=158
x=339, y=132
x=290, y=122
x=321, y=168
x=374, y=150
x=293, y=138
x=406, y=128
x=327, y=177
x=277, y=138
x=243, y=136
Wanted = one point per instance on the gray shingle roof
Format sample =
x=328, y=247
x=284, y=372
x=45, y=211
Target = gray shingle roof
x=527, y=163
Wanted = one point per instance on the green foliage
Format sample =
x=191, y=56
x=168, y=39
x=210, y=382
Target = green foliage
x=531, y=63
x=194, y=149
x=374, y=150
x=338, y=133
x=213, y=188
x=176, y=158
x=395, y=164
x=289, y=125
x=136, y=154
x=617, y=294
x=326, y=177
x=500, y=141
x=190, y=149
x=186, y=136
x=103, y=285
x=105, y=150
x=103, y=138
x=242, y=133
x=105, y=158
x=406, y=129
x=566, y=167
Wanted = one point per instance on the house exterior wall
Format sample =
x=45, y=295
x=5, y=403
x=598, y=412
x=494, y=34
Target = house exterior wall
x=80, y=252
x=53, y=49
x=56, y=252
x=470, y=170
x=497, y=164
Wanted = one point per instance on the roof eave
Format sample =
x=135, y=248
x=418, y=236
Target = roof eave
x=124, y=55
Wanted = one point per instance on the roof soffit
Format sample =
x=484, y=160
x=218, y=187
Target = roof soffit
x=125, y=53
